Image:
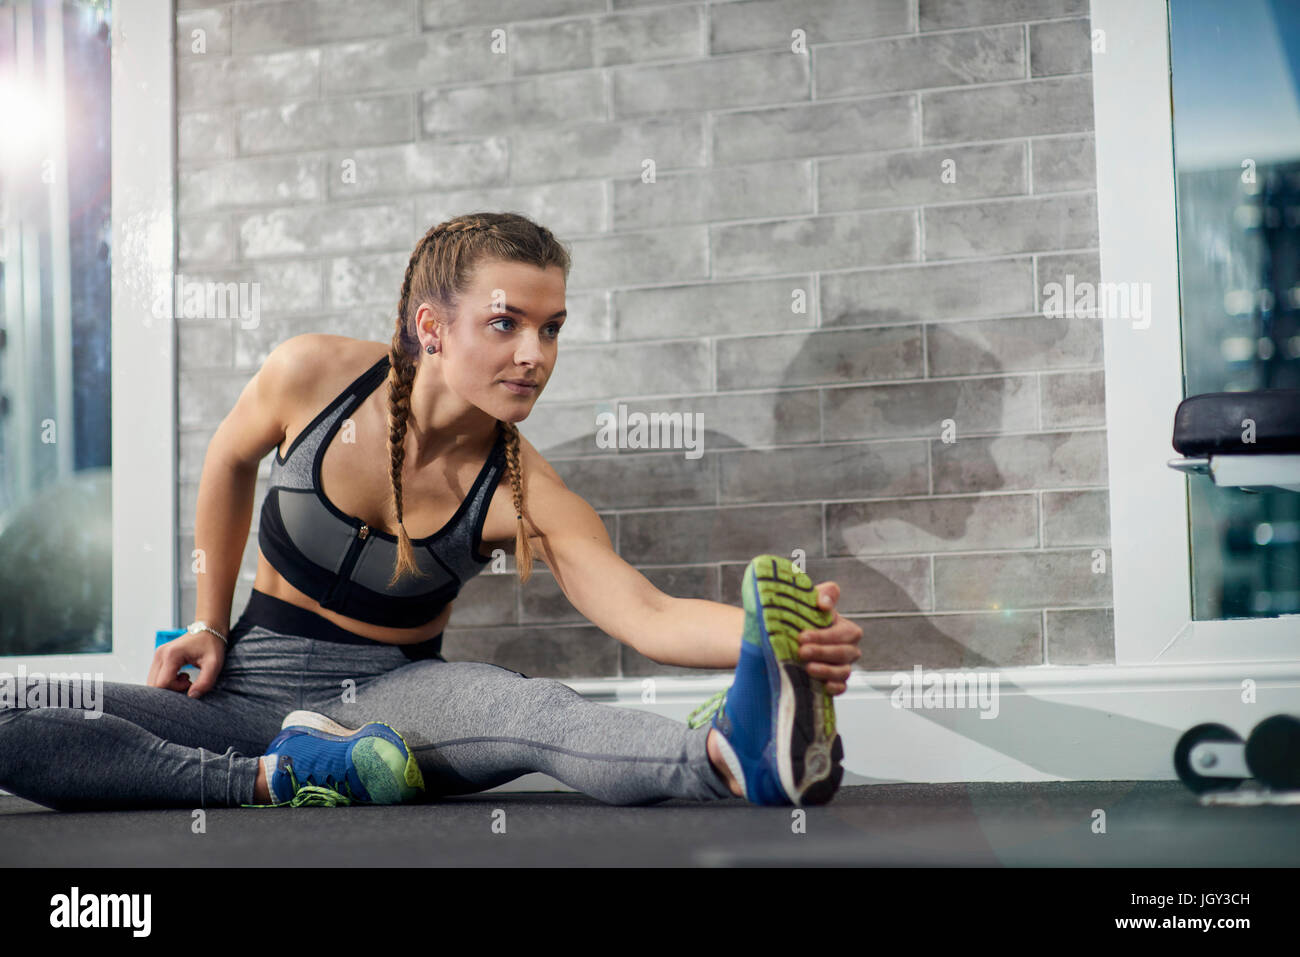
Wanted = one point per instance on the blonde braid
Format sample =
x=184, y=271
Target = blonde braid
x=523, y=550
x=401, y=376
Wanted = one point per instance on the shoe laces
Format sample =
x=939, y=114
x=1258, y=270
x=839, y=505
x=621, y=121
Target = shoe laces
x=701, y=715
x=315, y=795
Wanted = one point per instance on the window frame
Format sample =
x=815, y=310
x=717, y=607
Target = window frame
x=1149, y=501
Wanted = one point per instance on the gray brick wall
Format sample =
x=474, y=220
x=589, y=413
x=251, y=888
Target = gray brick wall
x=920, y=431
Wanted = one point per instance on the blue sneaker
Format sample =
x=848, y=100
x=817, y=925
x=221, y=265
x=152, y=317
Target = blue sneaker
x=776, y=724
x=320, y=762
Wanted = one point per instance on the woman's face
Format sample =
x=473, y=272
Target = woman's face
x=506, y=331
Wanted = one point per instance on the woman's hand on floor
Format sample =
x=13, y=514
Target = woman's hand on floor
x=828, y=653
x=204, y=650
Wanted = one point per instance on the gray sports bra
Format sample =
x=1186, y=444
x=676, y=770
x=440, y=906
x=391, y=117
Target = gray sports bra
x=344, y=564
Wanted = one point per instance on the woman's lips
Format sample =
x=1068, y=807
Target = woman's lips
x=518, y=389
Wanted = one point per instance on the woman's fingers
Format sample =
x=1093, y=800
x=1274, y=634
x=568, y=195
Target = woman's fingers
x=828, y=653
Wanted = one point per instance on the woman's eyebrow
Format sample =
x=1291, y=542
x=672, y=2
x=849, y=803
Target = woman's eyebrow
x=520, y=312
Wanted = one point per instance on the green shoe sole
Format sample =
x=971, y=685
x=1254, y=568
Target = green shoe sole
x=809, y=750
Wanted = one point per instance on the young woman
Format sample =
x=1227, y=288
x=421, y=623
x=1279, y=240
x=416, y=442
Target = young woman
x=398, y=471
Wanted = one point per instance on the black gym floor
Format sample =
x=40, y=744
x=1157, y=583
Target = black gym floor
x=1056, y=824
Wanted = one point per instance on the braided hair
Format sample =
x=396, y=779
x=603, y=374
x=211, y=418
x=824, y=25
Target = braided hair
x=438, y=273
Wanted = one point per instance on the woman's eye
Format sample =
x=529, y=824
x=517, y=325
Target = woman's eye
x=553, y=327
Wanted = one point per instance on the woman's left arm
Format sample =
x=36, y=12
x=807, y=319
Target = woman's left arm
x=689, y=632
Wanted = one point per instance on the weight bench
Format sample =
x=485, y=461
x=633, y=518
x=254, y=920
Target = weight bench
x=1245, y=440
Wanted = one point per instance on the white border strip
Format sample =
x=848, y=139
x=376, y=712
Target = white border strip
x=1144, y=381
x=144, y=360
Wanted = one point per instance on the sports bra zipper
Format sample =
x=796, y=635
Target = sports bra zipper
x=342, y=584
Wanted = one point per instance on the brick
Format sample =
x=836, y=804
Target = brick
x=920, y=409
x=1012, y=462
x=921, y=177
x=411, y=62
x=566, y=208
x=439, y=14
x=204, y=136
x=205, y=239
x=208, y=82
x=606, y=149
x=1075, y=399
x=815, y=129
x=634, y=259
x=321, y=125
x=818, y=358
x=919, y=293
x=256, y=27
x=212, y=27
x=734, y=192
x=357, y=280
x=631, y=479
x=1011, y=226
x=736, y=81
x=651, y=35
x=815, y=242
x=588, y=372
x=1032, y=108
x=946, y=14
x=1076, y=518
x=250, y=182
x=294, y=231
x=990, y=55
x=1063, y=46
x=545, y=47
x=400, y=170
x=737, y=533
x=800, y=474
x=765, y=24
x=545, y=101
x=1019, y=580
x=1084, y=636
x=1002, y=639
x=962, y=523
x=712, y=308
x=1019, y=344
x=1063, y=163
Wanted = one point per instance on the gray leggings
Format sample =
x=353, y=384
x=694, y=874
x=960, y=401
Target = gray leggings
x=471, y=725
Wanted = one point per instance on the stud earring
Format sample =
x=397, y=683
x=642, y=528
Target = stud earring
x=431, y=349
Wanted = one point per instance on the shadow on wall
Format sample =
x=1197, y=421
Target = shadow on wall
x=832, y=472
x=56, y=552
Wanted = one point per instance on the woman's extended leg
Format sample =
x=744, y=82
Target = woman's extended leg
x=473, y=726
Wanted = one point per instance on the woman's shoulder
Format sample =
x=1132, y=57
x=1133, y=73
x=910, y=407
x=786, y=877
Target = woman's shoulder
x=316, y=363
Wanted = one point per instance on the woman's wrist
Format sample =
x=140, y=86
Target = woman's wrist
x=206, y=627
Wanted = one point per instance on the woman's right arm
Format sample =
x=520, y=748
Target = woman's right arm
x=223, y=514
